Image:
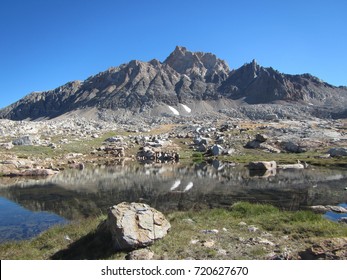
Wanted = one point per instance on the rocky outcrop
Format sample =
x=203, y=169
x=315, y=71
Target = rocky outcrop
x=260, y=143
x=23, y=167
x=184, y=77
x=202, y=66
x=216, y=150
x=135, y=225
x=140, y=254
x=157, y=155
x=291, y=166
x=292, y=147
x=7, y=146
x=262, y=165
x=38, y=172
x=113, y=150
x=11, y=170
x=329, y=249
x=337, y=152
x=326, y=208
x=23, y=141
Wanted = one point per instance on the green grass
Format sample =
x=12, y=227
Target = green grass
x=36, y=151
x=52, y=241
x=302, y=224
x=83, y=146
x=301, y=227
x=310, y=157
x=251, y=211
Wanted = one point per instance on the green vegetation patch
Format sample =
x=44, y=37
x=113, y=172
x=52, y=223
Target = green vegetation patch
x=36, y=151
x=313, y=158
x=244, y=231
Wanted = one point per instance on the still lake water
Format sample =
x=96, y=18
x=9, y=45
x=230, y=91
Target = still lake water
x=31, y=206
x=16, y=222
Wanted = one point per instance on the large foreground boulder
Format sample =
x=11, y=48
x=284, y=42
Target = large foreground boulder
x=135, y=225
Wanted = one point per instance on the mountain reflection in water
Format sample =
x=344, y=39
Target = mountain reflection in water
x=77, y=194
x=18, y=223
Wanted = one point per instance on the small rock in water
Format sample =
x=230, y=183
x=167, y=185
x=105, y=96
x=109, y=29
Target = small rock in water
x=319, y=208
x=337, y=209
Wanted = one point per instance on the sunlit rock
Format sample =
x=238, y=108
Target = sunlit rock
x=135, y=225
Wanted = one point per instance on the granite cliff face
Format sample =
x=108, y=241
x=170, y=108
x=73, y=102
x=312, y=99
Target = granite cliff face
x=184, y=77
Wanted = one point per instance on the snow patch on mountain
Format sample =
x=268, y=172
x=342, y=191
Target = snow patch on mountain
x=173, y=110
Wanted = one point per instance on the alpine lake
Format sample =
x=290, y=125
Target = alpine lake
x=32, y=205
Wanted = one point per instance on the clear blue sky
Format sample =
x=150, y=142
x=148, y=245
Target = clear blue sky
x=46, y=43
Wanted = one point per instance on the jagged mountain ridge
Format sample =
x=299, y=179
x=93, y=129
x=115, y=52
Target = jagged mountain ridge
x=183, y=77
x=257, y=84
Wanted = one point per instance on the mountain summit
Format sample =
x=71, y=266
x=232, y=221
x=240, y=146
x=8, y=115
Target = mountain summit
x=184, y=77
x=198, y=65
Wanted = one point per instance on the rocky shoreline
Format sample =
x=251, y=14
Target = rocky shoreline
x=44, y=147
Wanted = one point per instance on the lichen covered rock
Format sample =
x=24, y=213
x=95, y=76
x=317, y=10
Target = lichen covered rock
x=135, y=225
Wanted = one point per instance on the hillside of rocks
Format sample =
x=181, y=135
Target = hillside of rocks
x=186, y=83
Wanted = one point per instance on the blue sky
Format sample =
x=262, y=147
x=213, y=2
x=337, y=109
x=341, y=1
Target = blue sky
x=46, y=43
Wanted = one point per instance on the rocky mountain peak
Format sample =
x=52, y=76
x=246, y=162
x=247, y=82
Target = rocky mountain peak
x=135, y=64
x=185, y=77
x=246, y=74
x=254, y=65
x=179, y=50
x=193, y=64
x=155, y=62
